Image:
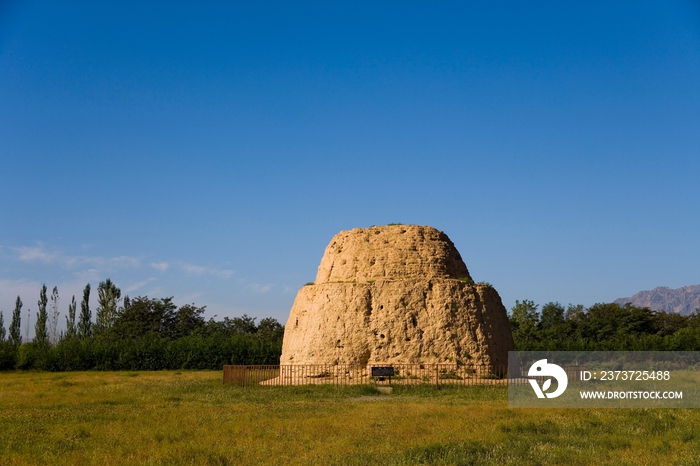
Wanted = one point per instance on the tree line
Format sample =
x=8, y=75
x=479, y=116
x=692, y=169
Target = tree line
x=153, y=334
x=602, y=327
x=134, y=334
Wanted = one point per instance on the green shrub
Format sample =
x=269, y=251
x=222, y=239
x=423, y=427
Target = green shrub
x=8, y=356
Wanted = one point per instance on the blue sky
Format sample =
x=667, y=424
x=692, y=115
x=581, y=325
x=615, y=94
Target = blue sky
x=210, y=151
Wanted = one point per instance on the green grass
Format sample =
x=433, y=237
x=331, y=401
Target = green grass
x=192, y=418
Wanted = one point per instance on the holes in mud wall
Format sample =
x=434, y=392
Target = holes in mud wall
x=381, y=335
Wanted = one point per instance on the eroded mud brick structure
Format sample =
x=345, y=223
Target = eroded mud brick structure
x=396, y=294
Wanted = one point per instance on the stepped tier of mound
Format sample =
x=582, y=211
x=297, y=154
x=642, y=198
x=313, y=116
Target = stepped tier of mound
x=395, y=294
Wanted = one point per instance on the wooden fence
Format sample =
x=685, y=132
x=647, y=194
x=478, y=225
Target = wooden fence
x=404, y=374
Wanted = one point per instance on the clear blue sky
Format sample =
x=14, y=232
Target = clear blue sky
x=210, y=151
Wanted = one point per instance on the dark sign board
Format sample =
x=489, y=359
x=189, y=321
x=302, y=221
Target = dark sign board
x=382, y=372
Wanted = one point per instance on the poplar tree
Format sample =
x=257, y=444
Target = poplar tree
x=3, y=333
x=26, y=328
x=70, y=319
x=41, y=333
x=16, y=325
x=108, y=296
x=85, y=321
x=53, y=317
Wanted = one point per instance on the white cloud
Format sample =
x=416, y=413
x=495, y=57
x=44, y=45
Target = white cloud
x=88, y=275
x=254, y=287
x=101, y=265
x=194, y=269
x=40, y=254
x=258, y=288
x=123, y=261
x=224, y=273
x=162, y=266
x=156, y=292
x=137, y=285
x=198, y=270
x=29, y=254
x=70, y=272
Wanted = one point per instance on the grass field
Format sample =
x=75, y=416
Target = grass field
x=112, y=418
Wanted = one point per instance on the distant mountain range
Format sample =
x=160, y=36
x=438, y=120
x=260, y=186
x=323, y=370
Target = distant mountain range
x=682, y=300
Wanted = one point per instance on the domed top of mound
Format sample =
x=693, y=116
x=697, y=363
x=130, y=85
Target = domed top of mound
x=390, y=252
